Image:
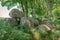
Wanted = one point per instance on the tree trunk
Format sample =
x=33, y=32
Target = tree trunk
x=26, y=8
x=50, y=8
x=33, y=5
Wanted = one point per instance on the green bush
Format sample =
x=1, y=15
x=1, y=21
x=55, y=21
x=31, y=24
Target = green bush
x=10, y=33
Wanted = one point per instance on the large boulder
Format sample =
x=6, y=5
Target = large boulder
x=15, y=13
x=29, y=22
x=26, y=22
x=47, y=25
x=11, y=21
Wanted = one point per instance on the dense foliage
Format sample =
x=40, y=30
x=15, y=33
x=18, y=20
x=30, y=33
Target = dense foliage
x=41, y=8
